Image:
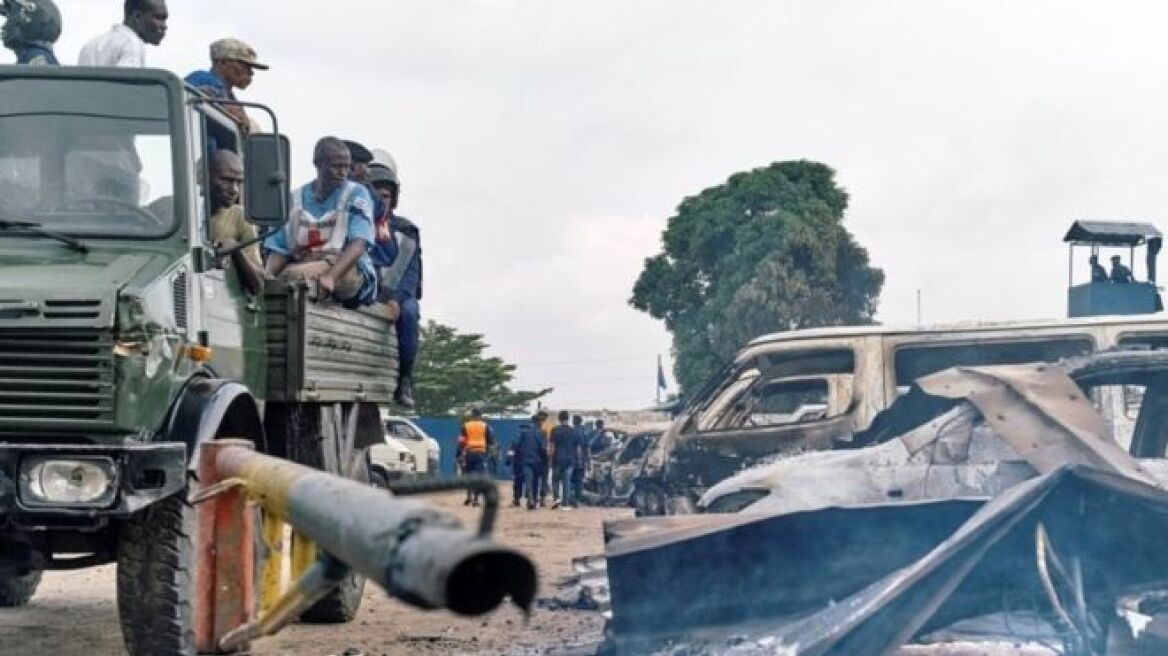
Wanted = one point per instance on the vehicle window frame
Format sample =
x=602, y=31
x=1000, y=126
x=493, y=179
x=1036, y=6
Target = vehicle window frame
x=208, y=114
x=411, y=433
x=694, y=431
x=893, y=375
x=755, y=394
x=1129, y=337
x=175, y=105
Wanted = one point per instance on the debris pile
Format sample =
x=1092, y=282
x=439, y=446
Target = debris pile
x=1059, y=553
x=586, y=590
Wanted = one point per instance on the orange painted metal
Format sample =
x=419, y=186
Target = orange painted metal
x=225, y=558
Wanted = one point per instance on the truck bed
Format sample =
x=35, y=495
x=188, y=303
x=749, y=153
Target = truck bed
x=322, y=352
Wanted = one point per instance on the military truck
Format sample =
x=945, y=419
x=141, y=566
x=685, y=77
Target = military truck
x=125, y=344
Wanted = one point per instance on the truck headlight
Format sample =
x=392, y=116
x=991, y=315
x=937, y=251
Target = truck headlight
x=82, y=481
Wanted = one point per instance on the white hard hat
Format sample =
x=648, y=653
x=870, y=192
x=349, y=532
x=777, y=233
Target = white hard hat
x=382, y=158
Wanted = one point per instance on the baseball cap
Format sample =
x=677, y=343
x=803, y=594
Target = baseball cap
x=236, y=50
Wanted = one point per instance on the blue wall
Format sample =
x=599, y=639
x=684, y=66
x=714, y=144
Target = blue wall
x=446, y=429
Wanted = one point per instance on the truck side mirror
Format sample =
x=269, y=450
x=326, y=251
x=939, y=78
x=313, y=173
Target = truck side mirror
x=266, y=178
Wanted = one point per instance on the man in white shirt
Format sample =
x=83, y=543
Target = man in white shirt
x=125, y=44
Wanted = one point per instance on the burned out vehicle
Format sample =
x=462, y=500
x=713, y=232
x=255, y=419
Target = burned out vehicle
x=610, y=479
x=807, y=390
x=936, y=441
x=125, y=345
x=994, y=510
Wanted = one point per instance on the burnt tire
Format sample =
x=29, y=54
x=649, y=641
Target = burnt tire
x=156, y=579
x=342, y=604
x=16, y=591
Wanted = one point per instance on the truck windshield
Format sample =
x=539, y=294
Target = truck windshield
x=86, y=157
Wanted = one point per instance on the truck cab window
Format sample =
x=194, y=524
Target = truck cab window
x=216, y=135
x=105, y=169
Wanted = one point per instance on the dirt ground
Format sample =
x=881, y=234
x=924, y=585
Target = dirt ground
x=74, y=614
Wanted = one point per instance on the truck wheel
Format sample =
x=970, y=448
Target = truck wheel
x=156, y=579
x=342, y=604
x=18, y=590
x=378, y=479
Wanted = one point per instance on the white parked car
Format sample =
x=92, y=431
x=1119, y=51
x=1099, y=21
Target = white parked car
x=424, y=448
x=391, y=460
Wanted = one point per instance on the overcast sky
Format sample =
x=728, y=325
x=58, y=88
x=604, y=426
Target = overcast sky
x=543, y=144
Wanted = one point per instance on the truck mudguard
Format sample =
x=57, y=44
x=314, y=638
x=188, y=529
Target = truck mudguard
x=210, y=408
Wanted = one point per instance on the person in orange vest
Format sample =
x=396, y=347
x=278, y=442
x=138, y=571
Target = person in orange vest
x=473, y=442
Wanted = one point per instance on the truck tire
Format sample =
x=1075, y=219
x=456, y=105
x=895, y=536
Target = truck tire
x=377, y=479
x=16, y=591
x=155, y=582
x=343, y=603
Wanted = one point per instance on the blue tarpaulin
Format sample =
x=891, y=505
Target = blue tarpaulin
x=446, y=429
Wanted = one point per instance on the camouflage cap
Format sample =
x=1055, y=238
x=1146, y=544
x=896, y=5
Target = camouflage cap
x=236, y=50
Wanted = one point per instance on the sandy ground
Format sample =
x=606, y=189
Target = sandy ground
x=74, y=613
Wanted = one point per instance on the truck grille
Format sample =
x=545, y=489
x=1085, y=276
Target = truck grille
x=55, y=380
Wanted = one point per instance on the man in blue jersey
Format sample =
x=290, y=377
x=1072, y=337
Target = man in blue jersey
x=329, y=228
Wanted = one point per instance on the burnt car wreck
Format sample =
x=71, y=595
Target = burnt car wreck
x=990, y=510
x=807, y=390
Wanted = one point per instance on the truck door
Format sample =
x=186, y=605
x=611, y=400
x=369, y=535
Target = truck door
x=790, y=402
x=231, y=315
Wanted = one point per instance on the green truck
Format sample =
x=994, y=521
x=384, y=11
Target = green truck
x=125, y=344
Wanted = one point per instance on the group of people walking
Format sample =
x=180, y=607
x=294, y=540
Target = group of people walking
x=548, y=456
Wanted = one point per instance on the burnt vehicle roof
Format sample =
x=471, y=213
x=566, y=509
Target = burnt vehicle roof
x=970, y=326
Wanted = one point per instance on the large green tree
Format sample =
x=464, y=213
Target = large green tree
x=453, y=374
x=764, y=252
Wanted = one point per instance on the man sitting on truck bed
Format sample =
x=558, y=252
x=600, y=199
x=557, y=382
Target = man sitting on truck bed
x=329, y=229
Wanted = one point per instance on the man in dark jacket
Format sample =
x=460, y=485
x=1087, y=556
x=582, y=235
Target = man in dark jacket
x=565, y=458
x=397, y=254
x=529, y=454
x=584, y=435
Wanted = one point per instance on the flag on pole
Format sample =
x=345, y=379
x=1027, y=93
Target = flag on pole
x=661, y=384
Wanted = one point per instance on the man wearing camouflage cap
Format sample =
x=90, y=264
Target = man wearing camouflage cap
x=233, y=66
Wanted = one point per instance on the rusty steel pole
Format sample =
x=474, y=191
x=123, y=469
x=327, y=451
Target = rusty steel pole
x=416, y=552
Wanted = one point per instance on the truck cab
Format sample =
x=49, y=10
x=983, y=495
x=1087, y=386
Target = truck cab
x=125, y=344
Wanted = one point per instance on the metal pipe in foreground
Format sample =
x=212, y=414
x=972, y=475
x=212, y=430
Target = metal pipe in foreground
x=416, y=552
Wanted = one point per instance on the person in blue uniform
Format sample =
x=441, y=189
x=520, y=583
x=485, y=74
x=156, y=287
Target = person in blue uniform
x=397, y=253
